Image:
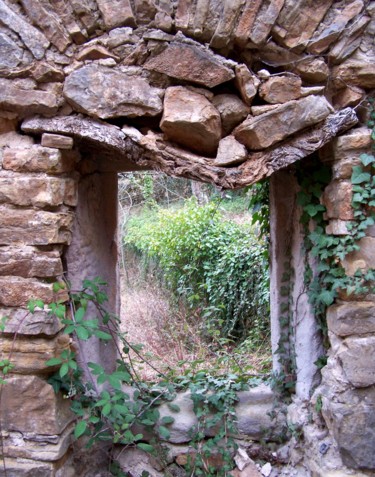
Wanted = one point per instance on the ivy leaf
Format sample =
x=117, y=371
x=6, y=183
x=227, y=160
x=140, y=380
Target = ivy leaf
x=53, y=361
x=145, y=447
x=82, y=332
x=167, y=420
x=359, y=177
x=164, y=433
x=80, y=429
x=367, y=159
x=313, y=210
x=64, y=370
x=327, y=297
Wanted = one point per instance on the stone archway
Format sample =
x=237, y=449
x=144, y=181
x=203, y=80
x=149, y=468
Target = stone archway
x=223, y=92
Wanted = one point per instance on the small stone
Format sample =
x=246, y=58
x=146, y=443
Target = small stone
x=266, y=469
x=44, y=72
x=56, y=141
x=95, y=52
x=287, y=119
x=337, y=227
x=264, y=74
x=281, y=89
x=258, y=110
x=242, y=459
x=230, y=152
x=337, y=198
x=247, y=83
x=191, y=120
x=191, y=63
x=232, y=111
x=306, y=91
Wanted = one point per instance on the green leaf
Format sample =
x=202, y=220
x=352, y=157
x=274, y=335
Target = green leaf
x=145, y=447
x=82, y=333
x=167, y=420
x=53, y=361
x=80, y=429
x=164, y=433
x=102, y=335
x=367, y=159
x=79, y=314
x=174, y=407
x=359, y=177
x=106, y=409
x=64, y=370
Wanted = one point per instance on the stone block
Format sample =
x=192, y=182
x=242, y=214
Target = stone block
x=116, y=13
x=38, y=447
x=337, y=227
x=22, y=322
x=57, y=141
x=29, y=405
x=247, y=83
x=269, y=128
x=337, y=198
x=349, y=96
x=37, y=191
x=34, y=227
x=352, y=318
x=232, y=111
x=355, y=139
x=354, y=72
x=191, y=120
x=17, y=467
x=281, y=89
x=313, y=70
x=86, y=90
x=357, y=355
x=38, y=159
x=29, y=355
x=363, y=259
x=29, y=262
x=230, y=152
x=17, y=291
x=191, y=63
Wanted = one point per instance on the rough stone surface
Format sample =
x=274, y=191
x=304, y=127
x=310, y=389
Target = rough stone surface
x=190, y=63
x=281, y=89
x=266, y=17
x=354, y=72
x=33, y=227
x=337, y=198
x=230, y=152
x=57, y=141
x=29, y=355
x=349, y=96
x=191, y=120
x=38, y=159
x=358, y=138
x=357, y=356
x=232, y=111
x=37, y=191
x=116, y=13
x=136, y=462
x=314, y=70
x=29, y=262
x=282, y=121
x=363, y=259
x=23, y=411
x=247, y=83
x=26, y=101
x=29, y=468
x=246, y=21
x=352, y=318
x=17, y=291
x=104, y=92
x=22, y=322
x=10, y=53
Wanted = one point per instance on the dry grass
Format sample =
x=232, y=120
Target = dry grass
x=171, y=338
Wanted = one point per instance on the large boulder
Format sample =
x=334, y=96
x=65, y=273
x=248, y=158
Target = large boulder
x=191, y=120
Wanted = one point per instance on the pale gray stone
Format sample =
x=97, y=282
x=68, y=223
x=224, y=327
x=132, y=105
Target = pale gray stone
x=352, y=318
x=230, y=152
x=104, y=92
x=116, y=13
x=22, y=322
x=10, y=53
x=357, y=355
x=57, y=141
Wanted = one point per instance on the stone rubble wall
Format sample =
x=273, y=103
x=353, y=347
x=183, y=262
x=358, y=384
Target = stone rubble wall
x=226, y=92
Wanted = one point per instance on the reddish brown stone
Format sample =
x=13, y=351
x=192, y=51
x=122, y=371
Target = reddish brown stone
x=246, y=21
x=38, y=159
x=337, y=198
x=17, y=291
x=281, y=89
x=116, y=13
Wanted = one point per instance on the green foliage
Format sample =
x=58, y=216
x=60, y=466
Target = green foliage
x=215, y=265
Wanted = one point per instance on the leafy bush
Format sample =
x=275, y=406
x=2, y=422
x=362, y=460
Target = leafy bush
x=217, y=266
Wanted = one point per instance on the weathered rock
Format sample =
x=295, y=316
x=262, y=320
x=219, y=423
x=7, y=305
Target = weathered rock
x=23, y=410
x=41, y=14
x=337, y=227
x=29, y=262
x=226, y=23
x=47, y=448
x=266, y=17
x=283, y=121
x=65, y=13
x=350, y=41
x=191, y=120
x=17, y=291
x=44, y=72
x=117, y=13
x=232, y=111
x=242, y=459
x=136, y=462
x=37, y=191
x=352, y=318
x=354, y=72
x=281, y=89
x=266, y=108
x=57, y=141
x=104, y=92
x=230, y=152
x=246, y=21
x=349, y=96
x=190, y=63
x=298, y=21
x=355, y=139
x=95, y=52
x=86, y=14
x=330, y=32
x=247, y=83
x=10, y=53
x=314, y=70
x=357, y=355
x=38, y=159
x=26, y=101
x=352, y=423
x=29, y=468
x=249, y=471
x=337, y=198
x=29, y=355
x=22, y=322
x=35, y=41
x=363, y=259
x=34, y=227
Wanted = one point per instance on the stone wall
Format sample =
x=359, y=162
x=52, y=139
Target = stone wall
x=226, y=92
